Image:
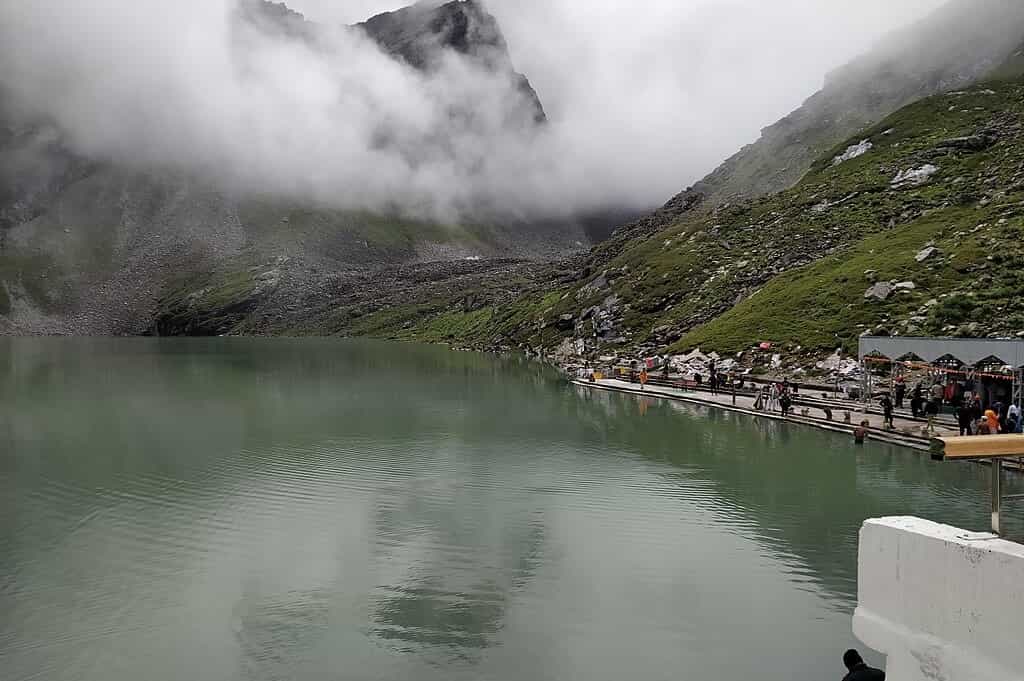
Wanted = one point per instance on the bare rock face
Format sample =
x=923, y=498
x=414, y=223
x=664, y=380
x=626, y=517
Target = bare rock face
x=880, y=291
x=276, y=17
x=420, y=35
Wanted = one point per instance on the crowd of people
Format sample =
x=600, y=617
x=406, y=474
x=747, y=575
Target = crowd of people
x=776, y=397
x=926, y=400
x=973, y=418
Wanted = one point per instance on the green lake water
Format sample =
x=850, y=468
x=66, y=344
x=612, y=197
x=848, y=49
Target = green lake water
x=224, y=509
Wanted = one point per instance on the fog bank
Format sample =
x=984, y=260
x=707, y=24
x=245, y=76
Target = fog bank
x=643, y=98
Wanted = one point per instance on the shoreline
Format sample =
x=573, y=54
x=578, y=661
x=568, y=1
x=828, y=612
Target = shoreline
x=914, y=443
x=919, y=444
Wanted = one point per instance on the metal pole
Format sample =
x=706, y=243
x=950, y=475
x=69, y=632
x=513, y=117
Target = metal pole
x=892, y=377
x=997, y=495
x=1018, y=388
x=865, y=382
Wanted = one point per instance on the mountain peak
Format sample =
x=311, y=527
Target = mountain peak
x=420, y=34
x=276, y=17
x=417, y=33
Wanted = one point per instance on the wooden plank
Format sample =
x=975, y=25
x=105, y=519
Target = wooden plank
x=977, y=447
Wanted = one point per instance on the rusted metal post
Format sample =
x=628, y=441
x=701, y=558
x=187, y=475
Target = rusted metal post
x=997, y=496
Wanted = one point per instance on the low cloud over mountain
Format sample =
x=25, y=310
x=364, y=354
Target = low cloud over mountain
x=640, y=99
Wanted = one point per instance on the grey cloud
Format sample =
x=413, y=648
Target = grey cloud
x=643, y=97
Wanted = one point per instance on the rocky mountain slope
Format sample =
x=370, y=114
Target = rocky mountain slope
x=89, y=246
x=954, y=47
x=914, y=225
x=907, y=225
x=870, y=209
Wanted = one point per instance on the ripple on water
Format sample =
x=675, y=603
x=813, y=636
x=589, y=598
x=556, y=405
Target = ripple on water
x=302, y=515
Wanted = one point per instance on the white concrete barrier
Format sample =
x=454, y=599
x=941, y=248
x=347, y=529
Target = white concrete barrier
x=941, y=603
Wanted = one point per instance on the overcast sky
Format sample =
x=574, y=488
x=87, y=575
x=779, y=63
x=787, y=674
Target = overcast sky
x=683, y=83
x=676, y=85
x=643, y=97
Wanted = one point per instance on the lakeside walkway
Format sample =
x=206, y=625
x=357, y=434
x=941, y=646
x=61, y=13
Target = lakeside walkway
x=908, y=432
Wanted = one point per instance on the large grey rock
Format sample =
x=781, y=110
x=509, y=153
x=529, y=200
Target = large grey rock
x=880, y=291
x=972, y=143
x=914, y=177
x=927, y=253
x=853, y=151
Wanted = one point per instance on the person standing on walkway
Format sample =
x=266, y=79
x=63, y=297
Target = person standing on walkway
x=1013, y=419
x=932, y=412
x=713, y=383
x=963, y=419
x=976, y=412
x=901, y=392
x=859, y=670
x=643, y=378
x=887, y=421
x=785, y=402
x=938, y=392
x=917, y=401
x=759, y=402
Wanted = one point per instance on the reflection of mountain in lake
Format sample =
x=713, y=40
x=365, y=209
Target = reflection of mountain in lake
x=460, y=570
x=315, y=510
x=276, y=632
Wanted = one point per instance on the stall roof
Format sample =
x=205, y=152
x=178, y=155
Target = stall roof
x=969, y=351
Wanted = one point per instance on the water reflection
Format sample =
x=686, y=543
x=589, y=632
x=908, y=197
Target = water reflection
x=236, y=509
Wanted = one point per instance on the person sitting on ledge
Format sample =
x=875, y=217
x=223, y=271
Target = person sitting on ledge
x=859, y=671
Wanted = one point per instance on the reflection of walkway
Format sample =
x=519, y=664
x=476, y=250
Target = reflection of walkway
x=908, y=432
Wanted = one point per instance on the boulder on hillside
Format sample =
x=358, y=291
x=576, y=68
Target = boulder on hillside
x=914, y=177
x=880, y=291
x=971, y=143
x=853, y=151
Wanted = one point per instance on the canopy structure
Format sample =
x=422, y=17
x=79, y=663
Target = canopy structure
x=968, y=351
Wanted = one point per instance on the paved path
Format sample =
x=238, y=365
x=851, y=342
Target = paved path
x=908, y=432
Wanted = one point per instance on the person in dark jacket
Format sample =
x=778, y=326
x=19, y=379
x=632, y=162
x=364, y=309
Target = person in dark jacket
x=859, y=671
x=887, y=421
x=917, y=402
x=786, y=403
x=964, y=419
x=901, y=392
x=976, y=410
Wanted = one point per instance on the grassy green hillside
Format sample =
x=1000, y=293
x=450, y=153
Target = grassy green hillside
x=794, y=268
